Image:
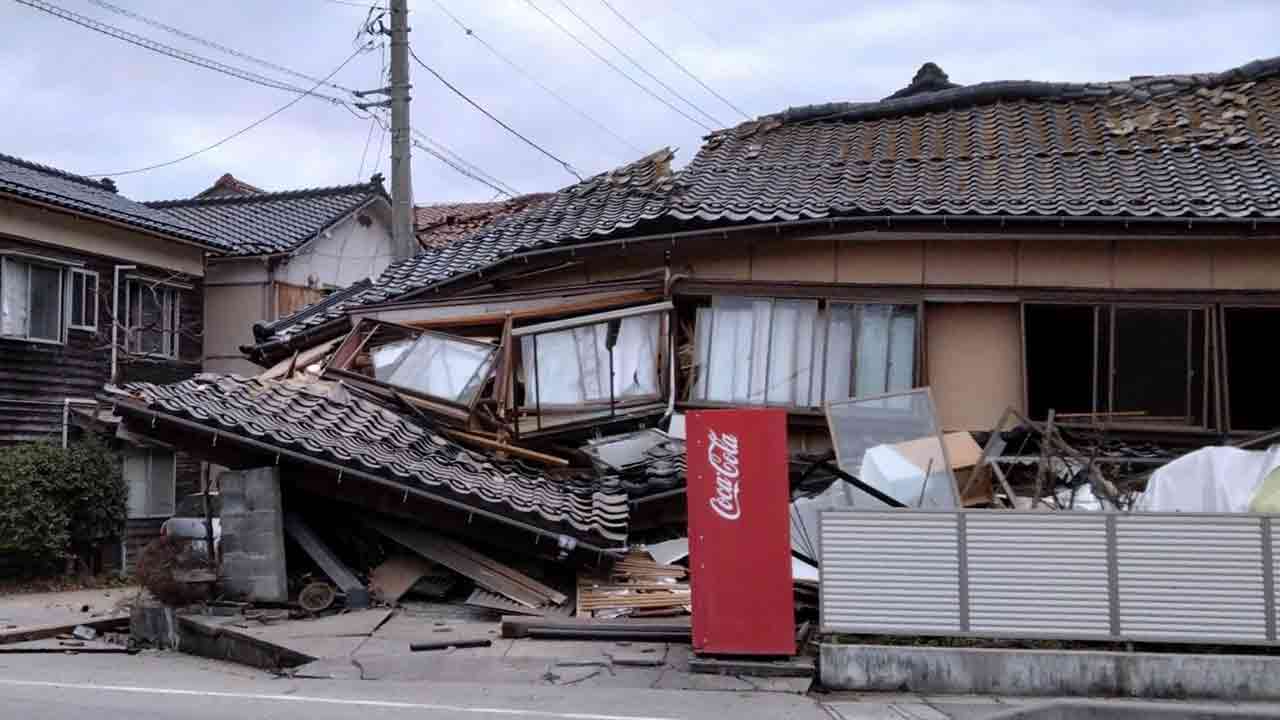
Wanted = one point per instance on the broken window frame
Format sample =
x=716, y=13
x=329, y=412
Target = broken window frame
x=1103, y=401
x=593, y=411
x=360, y=336
x=819, y=365
x=1220, y=353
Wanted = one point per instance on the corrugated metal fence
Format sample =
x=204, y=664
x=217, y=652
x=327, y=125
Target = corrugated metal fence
x=1162, y=577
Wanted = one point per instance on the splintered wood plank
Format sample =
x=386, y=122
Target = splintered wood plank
x=392, y=579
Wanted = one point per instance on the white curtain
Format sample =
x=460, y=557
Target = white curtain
x=902, y=350
x=15, y=291
x=731, y=358
x=572, y=366
x=841, y=320
x=792, y=352
x=872, y=348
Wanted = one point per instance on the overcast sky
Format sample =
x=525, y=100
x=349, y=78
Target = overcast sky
x=88, y=103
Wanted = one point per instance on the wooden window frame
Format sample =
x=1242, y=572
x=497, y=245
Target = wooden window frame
x=29, y=261
x=84, y=301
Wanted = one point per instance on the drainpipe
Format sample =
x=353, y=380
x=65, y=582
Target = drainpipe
x=66, y=415
x=115, y=319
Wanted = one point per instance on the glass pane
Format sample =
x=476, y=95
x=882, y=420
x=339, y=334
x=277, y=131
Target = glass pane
x=147, y=313
x=16, y=296
x=90, y=300
x=161, y=483
x=593, y=361
x=635, y=356
x=77, y=298
x=702, y=349
x=135, y=475
x=892, y=443
x=873, y=350
x=902, y=349
x=739, y=345
x=791, y=352
x=46, y=303
x=839, y=352
x=387, y=358
x=443, y=367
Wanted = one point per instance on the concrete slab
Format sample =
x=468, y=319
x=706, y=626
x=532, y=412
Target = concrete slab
x=885, y=711
x=31, y=609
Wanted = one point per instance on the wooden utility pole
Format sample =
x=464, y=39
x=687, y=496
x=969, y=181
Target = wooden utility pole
x=401, y=178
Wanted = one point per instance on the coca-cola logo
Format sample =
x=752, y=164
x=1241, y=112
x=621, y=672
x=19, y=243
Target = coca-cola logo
x=722, y=456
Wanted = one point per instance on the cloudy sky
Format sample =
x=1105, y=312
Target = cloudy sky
x=92, y=104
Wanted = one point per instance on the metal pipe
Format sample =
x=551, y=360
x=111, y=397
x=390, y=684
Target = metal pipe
x=115, y=319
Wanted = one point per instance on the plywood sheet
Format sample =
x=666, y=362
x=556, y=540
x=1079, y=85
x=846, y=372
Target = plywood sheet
x=894, y=262
x=1246, y=264
x=1165, y=263
x=974, y=362
x=793, y=260
x=1054, y=262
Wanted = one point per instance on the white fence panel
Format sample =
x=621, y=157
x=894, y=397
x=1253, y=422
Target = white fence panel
x=1032, y=574
x=883, y=575
x=1189, y=577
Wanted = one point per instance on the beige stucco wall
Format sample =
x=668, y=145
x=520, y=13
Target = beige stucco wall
x=346, y=253
x=90, y=236
x=230, y=311
x=973, y=362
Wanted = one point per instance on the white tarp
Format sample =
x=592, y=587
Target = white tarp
x=1211, y=479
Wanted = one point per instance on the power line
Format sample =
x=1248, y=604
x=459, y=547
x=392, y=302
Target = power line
x=235, y=134
x=441, y=157
x=675, y=62
x=568, y=168
x=358, y=4
x=173, y=52
x=211, y=44
x=639, y=66
x=444, y=149
x=534, y=79
x=617, y=69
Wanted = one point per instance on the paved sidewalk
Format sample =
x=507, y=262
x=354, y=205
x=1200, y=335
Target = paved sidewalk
x=892, y=706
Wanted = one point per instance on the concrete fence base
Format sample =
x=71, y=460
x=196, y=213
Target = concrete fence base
x=1049, y=672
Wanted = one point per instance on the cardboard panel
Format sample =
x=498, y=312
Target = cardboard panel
x=793, y=260
x=896, y=262
x=1246, y=264
x=740, y=532
x=1173, y=263
x=970, y=262
x=1064, y=263
x=975, y=362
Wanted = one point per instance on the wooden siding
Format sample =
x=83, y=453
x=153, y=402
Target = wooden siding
x=35, y=377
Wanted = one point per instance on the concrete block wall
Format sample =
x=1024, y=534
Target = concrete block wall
x=253, y=561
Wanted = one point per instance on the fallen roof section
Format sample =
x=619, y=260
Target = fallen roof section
x=262, y=223
x=442, y=224
x=339, y=431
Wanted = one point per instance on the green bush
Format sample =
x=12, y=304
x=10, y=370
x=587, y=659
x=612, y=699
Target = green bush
x=56, y=502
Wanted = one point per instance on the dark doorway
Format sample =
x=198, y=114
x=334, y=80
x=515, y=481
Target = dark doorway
x=1060, y=358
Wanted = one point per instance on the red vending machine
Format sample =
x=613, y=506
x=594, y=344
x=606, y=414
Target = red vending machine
x=739, y=532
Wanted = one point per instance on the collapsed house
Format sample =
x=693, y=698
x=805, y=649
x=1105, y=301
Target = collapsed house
x=1099, y=258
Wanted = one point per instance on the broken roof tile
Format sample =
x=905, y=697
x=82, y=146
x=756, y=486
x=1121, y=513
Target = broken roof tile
x=339, y=428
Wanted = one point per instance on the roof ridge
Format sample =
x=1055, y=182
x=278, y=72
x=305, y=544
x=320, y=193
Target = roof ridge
x=374, y=186
x=1140, y=88
x=103, y=184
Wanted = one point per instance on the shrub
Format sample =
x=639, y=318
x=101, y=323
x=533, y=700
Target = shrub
x=55, y=501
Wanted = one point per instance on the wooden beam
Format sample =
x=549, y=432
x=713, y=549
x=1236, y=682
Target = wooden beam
x=466, y=437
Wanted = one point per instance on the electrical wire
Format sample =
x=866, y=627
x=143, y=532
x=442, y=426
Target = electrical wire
x=568, y=168
x=211, y=44
x=675, y=62
x=444, y=149
x=441, y=157
x=604, y=38
x=534, y=79
x=615, y=68
x=173, y=52
x=235, y=134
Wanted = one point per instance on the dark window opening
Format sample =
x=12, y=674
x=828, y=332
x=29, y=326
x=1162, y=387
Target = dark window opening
x=1060, y=358
x=1251, y=367
x=1159, y=364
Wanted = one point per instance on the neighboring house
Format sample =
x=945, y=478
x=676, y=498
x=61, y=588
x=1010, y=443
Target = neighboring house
x=441, y=224
x=1106, y=250
x=287, y=250
x=94, y=285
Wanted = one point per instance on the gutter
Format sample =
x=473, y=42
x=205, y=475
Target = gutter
x=145, y=413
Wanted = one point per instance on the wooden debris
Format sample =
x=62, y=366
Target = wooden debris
x=392, y=579
x=636, y=584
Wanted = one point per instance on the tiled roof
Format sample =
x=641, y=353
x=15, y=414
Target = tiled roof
x=97, y=198
x=358, y=434
x=270, y=223
x=602, y=204
x=445, y=223
x=1173, y=146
